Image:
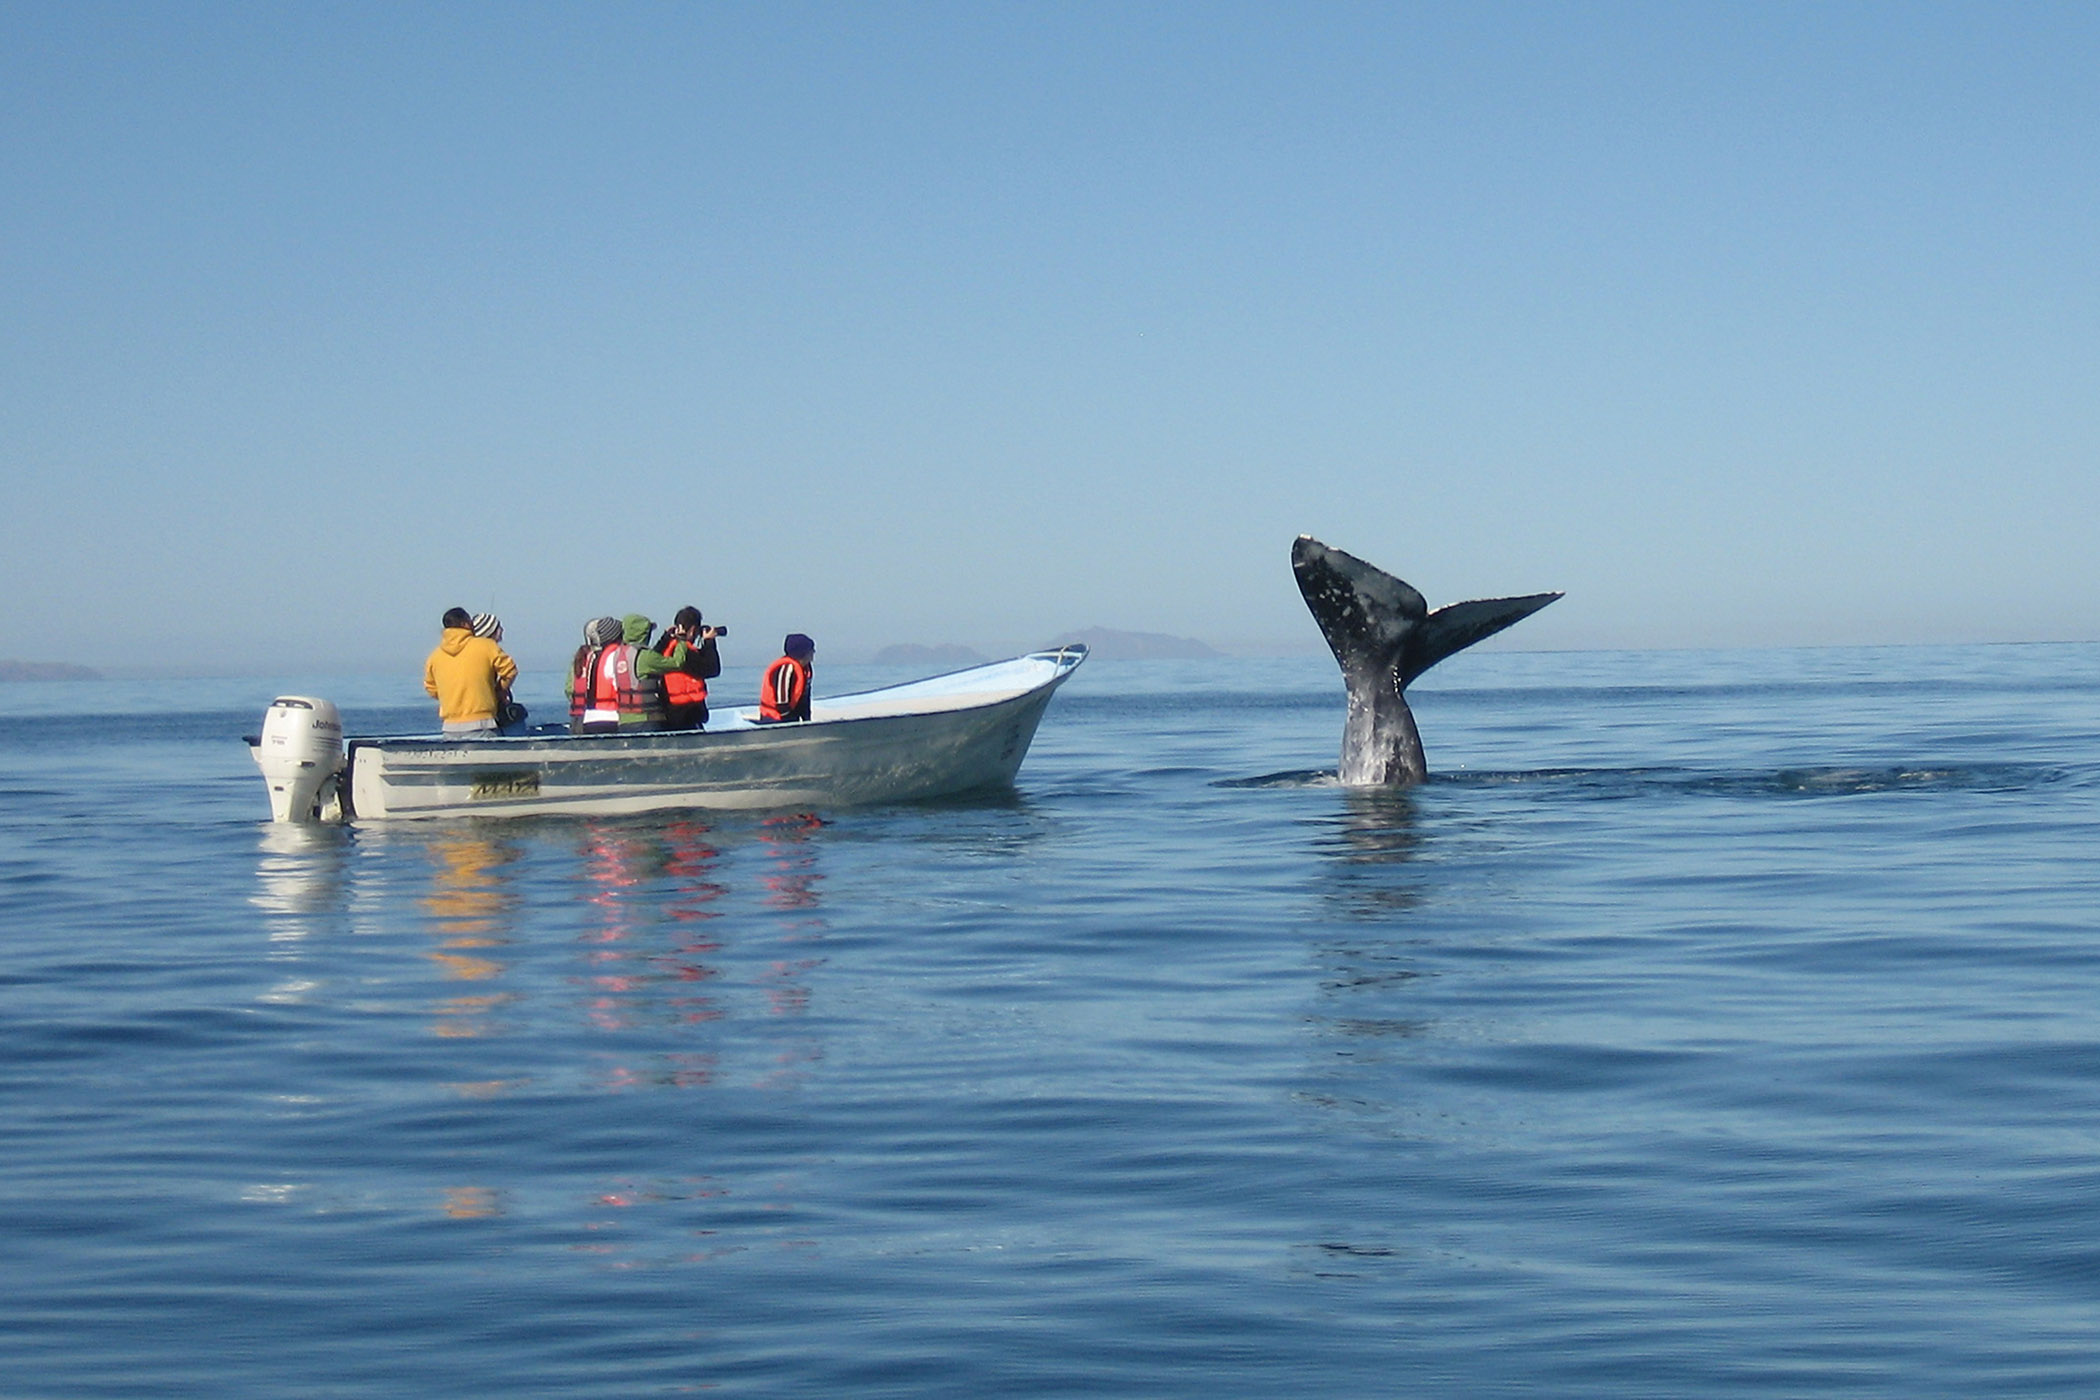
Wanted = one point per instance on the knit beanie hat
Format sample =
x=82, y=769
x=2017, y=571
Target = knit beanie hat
x=488, y=625
x=601, y=631
x=798, y=646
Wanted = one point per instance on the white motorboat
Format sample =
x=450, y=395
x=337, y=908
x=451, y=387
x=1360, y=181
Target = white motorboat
x=947, y=734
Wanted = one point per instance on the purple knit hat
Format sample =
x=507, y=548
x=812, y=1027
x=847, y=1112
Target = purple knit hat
x=799, y=646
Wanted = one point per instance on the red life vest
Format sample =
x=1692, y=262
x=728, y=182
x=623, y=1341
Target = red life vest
x=686, y=687
x=613, y=685
x=591, y=688
x=784, y=694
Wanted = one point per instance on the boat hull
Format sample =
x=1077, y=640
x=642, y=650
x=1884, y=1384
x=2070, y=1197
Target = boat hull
x=906, y=744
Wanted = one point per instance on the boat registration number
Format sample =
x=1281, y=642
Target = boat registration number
x=508, y=783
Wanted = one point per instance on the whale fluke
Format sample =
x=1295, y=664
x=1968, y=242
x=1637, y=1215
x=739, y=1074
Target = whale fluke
x=1384, y=635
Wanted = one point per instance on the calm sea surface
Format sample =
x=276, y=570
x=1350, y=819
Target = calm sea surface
x=1713, y=1024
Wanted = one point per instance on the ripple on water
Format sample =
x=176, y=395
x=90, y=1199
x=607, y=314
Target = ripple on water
x=1681, y=1035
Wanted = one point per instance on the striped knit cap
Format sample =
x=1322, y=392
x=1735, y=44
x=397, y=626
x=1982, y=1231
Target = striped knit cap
x=602, y=631
x=488, y=625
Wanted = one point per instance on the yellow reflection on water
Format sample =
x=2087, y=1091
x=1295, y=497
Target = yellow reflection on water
x=450, y=913
x=470, y=908
x=472, y=1202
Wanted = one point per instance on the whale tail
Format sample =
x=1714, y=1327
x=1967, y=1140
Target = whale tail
x=1371, y=618
x=1456, y=627
x=1383, y=635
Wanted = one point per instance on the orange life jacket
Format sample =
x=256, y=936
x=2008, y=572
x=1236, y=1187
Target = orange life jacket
x=784, y=694
x=613, y=685
x=686, y=687
x=591, y=688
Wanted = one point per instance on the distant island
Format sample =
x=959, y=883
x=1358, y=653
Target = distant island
x=46, y=671
x=913, y=654
x=1107, y=644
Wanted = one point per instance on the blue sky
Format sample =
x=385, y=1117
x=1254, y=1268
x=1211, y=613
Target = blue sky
x=1743, y=324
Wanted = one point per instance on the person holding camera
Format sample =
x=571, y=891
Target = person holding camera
x=689, y=645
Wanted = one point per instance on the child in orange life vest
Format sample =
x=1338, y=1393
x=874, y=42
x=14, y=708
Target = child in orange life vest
x=784, y=694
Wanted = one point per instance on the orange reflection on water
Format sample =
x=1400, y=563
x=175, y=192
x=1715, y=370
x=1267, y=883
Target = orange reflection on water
x=470, y=908
x=472, y=1202
x=793, y=882
x=673, y=1222
x=462, y=968
x=676, y=1071
x=629, y=872
x=689, y=863
x=465, y=1017
x=786, y=993
x=611, y=867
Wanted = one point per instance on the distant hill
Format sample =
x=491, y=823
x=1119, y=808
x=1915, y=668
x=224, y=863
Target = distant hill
x=913, y=654
x=1107, y=644
x=46, y=671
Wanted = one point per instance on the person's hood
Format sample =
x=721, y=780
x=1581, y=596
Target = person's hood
x=635, y=629
x=455, y=640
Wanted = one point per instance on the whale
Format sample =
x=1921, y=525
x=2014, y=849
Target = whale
x=1383, y=635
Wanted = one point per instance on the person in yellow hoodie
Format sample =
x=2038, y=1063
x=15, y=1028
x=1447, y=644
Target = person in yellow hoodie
x=467, y=674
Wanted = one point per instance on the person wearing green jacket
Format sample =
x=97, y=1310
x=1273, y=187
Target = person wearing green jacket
x=649, y=708
x=618, y=682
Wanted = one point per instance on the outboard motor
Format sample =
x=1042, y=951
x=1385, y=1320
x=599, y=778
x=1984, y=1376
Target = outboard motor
x=301, y=754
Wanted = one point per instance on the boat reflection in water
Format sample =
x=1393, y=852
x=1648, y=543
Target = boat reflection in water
x=648, y=892
x=470, y=910
x=299, y=878
x=545, y=962
x=793, y=885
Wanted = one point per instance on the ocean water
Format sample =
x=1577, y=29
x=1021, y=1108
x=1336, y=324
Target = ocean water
x=1712, y=1024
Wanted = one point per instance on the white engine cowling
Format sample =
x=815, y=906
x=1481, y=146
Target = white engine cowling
x=300, y=754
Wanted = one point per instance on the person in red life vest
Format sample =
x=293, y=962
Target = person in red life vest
x=624, y=676
x=690, y=648
x=784, y=694
x=594, y=704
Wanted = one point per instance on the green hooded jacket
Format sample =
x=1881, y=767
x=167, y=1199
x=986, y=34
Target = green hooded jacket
x=635, y=630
